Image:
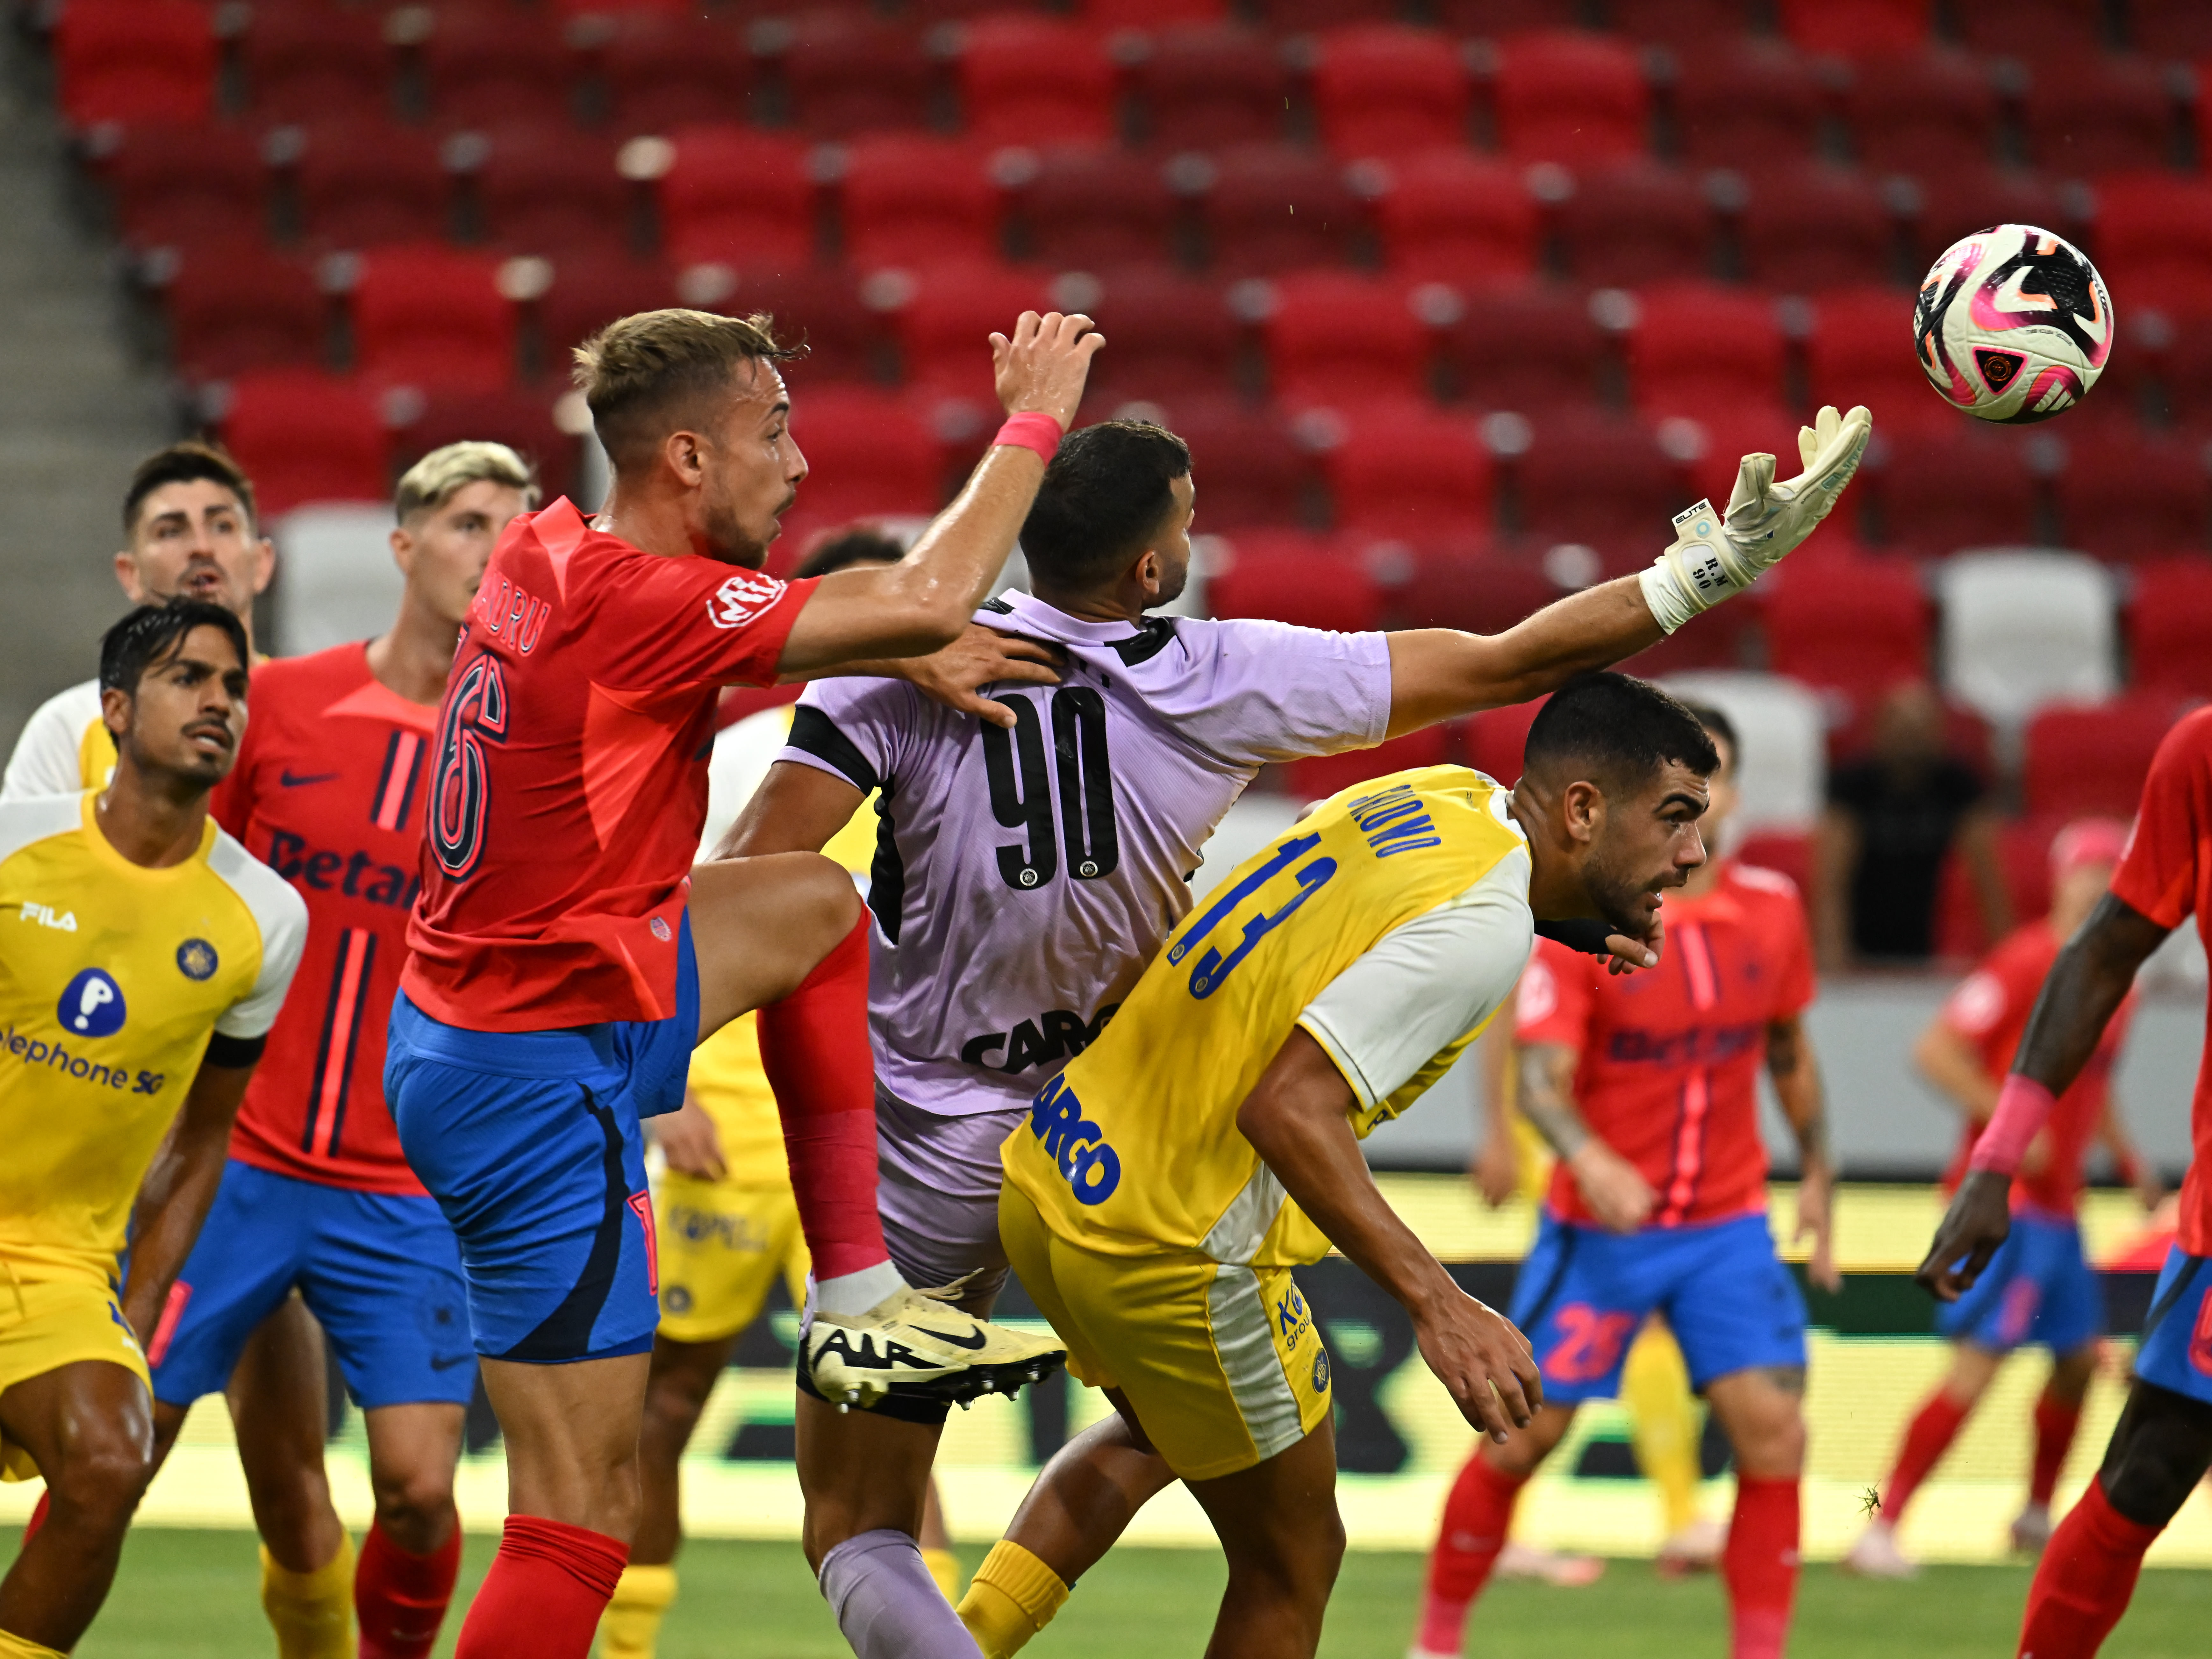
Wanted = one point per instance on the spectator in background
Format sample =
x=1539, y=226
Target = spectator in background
x=1892, y=818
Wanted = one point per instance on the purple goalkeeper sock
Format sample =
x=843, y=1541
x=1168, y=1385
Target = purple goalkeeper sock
x=887, y=1604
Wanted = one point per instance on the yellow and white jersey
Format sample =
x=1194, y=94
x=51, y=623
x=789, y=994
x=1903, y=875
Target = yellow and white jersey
x=1390, y=923
x=65, y=747
x=113, y=979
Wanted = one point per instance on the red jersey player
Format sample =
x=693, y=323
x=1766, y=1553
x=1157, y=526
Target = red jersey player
x=2163, y=1444
x=1646, y=1085
x=2039, y=1287
x=329, y=791
x=565, y=957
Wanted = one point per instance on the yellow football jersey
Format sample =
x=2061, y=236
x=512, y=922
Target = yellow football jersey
x=1135, y=1147
x=113, y=979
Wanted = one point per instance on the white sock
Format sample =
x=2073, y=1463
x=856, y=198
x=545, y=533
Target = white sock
x=850, y=1294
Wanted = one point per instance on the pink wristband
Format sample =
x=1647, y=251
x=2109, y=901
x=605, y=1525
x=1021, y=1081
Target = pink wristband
x=1031, y=430
x=2023, y=1107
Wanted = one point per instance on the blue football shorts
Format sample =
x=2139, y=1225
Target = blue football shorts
x=2177, y=1340
x=2038, y=1287
x=381, y=1271
x=1583, y=1293
x=529, y=1141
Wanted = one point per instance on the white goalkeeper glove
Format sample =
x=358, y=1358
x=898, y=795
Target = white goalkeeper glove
x=1716, y=556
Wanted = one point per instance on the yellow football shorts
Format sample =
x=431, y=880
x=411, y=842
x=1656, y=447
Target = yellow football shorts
x=722, y=1246
x=1222, y=1365
x=45, y=1326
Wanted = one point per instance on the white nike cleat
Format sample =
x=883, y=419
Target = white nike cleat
x=1877, y=1556
x=2031, y=1530
x=911, y=1343
x=1696, y=1549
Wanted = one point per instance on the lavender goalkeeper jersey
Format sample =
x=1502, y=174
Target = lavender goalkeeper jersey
x=1023, y=878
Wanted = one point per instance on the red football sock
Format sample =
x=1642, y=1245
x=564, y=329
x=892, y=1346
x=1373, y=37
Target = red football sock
x=400, y=1599
x=2082, y=1586
x=543, y=1595
x=1760, y=1566
x=1929, y=1435
x=2055, y=1423
x=38, y=1516
x=814, y=1047
x=1477, y=1515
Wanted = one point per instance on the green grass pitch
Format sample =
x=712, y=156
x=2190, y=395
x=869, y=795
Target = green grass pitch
x=192, y=1595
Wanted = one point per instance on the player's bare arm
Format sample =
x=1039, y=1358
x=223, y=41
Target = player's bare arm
x=797, y=809
x=1496, y=1167
x=1796, y=1072
x=1948, y=1062
x=921, y=604
x=1298, y=1119
x=2087, y=984
x=1615, y=1190
x=179, y=1186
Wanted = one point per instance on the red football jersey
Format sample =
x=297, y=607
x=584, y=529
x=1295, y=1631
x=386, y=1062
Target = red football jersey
x=1989, y=1011
x=1668, y=1076
x=2166, y=873
x=328, y=792
x=570, y=783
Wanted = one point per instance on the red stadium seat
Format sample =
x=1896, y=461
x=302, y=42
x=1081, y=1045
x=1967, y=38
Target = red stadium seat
x=1494, y=19
x=358, y=184
x=1697, y=343
x=316, y=62
x=870, y=454
x=1319, y=776
x=521, y=417
x=737, y=197
x=134, y=60
x=172, y=185
x=1451, y=215
x=1956, y=202
x=306, y=437
x=1718, y=433
x=1411, y=473
x=1853, y=625
x=2093, y=757
x=1030, y=80
x=1689, y=25
x=2126, y=492
x=1312, y=581
x=1747, y=97
x=944, y=327
x=1812, y=227
x=1561, y=491
x=1475, y=592
x=236, y=307
x=1923, y=112
x=1150, y=13
x=1635, y=221
x=2154, y=240
x=1856, y=29
x=667, y=73
x=1173, y=337
x=912, y=201
x=591, y=288
x=1344, y=338
x=484, y=67
x=844, y=339
x=1860, y=351
x=2169, y=617
x=1089, y=208
x=1570, y=97
x=1387, y=89
x=2170, y=28
x=1210, y=87
x=1527, y=347
x=846, y=72
x=1494, y=741
x=1249, y=469
x=2184, y=372
x=2067, y=33
x=547, y=189
x=1944, y=489
x=1296, y=16
x=432, y=316
x=2098, y=114
x=1272, y=207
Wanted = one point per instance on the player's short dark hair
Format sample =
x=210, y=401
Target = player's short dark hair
x=186, y=463
x=645, y=375
x=1104, y=495
x=153, y=633
x=1718, y=724
x=1617, y=732
x=861, y=543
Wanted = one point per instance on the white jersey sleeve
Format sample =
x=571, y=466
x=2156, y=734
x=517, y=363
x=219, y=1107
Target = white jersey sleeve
x=1426, y=984
x=49, y=757
x=281, y=916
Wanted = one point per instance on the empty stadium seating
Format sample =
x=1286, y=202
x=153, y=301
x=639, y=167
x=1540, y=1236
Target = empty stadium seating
x=2080, y=758
x=1294, y=576
x=1387, y=89
x=2169, y=618
x=2023, y=629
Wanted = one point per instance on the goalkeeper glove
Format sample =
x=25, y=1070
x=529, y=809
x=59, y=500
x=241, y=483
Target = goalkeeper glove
x=1717, y=556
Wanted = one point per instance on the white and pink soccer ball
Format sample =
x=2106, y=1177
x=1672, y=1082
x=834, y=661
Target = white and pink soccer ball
x=2013, y=324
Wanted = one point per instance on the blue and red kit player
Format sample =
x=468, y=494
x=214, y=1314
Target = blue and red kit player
x=1646, y=1085
x=2162, y=1445
x=330, y=791
x=566, y=957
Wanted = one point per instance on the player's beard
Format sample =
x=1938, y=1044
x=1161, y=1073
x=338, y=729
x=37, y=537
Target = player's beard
x=730, y=541
x=1618, y=895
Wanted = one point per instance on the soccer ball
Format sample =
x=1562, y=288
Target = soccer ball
x=2013, y=324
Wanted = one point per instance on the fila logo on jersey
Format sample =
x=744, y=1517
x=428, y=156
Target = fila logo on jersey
x=91, y=1004
x=197, y=960
x=743, y=597
x=46, y=916
x=1091, y=1169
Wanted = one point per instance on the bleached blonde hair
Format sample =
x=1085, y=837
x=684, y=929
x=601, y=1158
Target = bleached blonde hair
x=444, y=473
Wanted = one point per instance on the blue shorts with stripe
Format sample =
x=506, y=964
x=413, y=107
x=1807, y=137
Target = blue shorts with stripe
x=380, y=1271
x=2038, y=1287
x=529, y=1141
x=1584, y=1294
x=2177, y=1340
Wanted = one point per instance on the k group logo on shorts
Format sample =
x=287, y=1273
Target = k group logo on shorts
x=91, y=1004
x=743, y=597
x=197, y=960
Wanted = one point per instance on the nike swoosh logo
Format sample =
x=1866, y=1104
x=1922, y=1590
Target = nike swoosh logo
x=289, y=781
x=447, y=1362
x=969, y=1342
